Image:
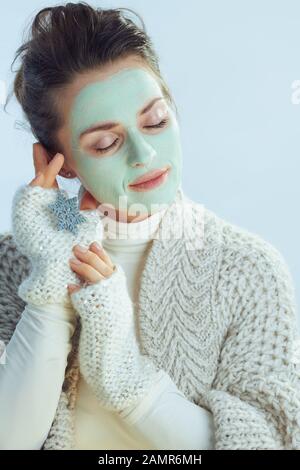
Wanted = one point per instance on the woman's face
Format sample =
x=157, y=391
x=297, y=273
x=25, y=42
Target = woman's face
x=118, y=126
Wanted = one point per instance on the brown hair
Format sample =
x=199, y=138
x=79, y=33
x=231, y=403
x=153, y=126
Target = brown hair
x=70, y=39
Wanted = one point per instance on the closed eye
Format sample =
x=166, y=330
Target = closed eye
x=154, y=126
x=160, y=124
x=105, y=149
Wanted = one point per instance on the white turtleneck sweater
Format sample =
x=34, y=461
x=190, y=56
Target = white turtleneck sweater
x=164, y=419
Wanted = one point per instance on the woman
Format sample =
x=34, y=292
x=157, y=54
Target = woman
x=185, y=341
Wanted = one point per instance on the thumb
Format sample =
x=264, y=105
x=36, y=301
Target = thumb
x=88, y=201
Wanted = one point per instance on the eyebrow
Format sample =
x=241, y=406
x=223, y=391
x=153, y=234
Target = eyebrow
x=108, y=125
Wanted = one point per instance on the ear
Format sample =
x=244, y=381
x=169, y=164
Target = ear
x=87, y=201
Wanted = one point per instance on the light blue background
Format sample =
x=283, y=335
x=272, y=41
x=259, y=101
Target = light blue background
x=230, y=66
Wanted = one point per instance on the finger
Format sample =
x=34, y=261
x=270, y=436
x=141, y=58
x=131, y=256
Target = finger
x=93, y=260
x=86, y=272
x=52, y=171
x=39, y=158
x=38, y=180
x=99, y=250
x=73, y=288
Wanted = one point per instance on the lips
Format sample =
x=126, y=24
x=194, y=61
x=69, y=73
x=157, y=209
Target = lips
x=149, y=176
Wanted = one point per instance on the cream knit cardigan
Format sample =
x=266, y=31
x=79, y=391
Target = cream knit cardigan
x=220, y=319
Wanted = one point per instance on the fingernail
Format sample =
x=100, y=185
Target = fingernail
x=98, y=246
x=81, y=248
x=75, y=261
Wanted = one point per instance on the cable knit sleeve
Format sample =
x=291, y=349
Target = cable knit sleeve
x=255, y=397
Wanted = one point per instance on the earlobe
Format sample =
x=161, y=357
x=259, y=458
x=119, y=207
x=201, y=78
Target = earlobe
x=66, y=173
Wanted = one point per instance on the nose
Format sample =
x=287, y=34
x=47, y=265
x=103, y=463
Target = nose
x=141, y=153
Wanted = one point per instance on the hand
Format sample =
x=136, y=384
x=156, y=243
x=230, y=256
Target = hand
x=92, y=265
x=94, y=262
x=45, y=174
x=36, y=233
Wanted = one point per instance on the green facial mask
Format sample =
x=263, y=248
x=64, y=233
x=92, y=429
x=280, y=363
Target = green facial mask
x=119, y=99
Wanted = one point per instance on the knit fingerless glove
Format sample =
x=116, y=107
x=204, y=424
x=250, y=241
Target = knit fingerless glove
x=109, y=356
x=49, y=249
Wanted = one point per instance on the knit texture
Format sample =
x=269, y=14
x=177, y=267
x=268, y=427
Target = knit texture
x=34, y=227
x=219, y=319
x=109, y=355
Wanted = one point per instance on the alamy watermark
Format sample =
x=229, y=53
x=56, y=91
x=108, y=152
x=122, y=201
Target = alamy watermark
x=179, y=220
